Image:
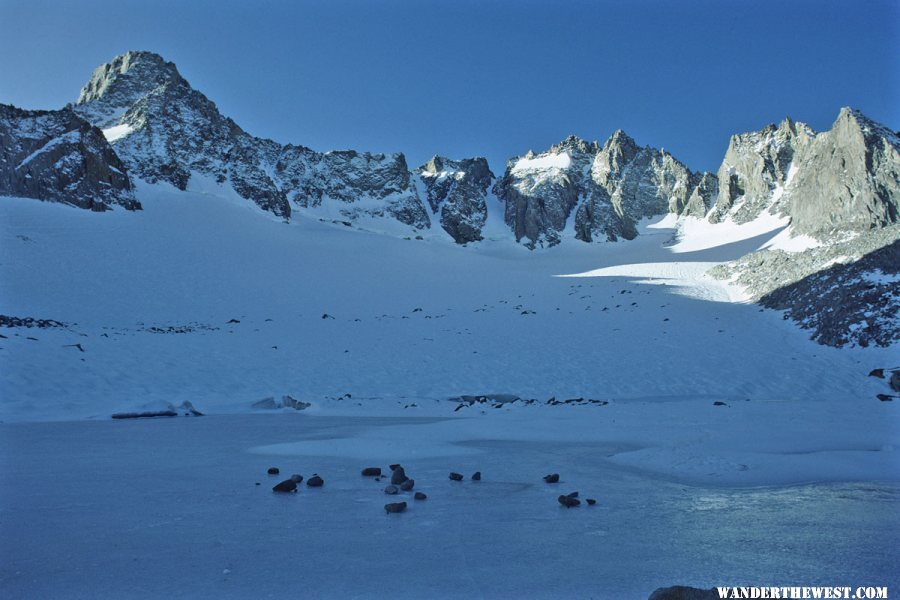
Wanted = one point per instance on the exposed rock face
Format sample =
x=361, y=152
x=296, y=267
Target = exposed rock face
x=610, y=188
x=167, y=131
x=457, y=191
x=845, y=179
x=757, y=168
x=59, y=157
x=849, y=179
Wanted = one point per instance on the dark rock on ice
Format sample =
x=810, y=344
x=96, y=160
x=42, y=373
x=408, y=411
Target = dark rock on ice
x=568, y=501
x=456, y=477
x=315, y=481
x=391, y=490
x=408, y=485
x=371, y=472
x=395, y=507
x=288, y=485
x=398, y=475
x=273, y=471
x=552, y=478
x=420, y=496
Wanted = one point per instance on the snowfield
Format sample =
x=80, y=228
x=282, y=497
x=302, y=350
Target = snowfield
x=791, y=479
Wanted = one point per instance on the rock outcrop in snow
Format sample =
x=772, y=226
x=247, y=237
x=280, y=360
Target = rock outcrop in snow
x=609, y=189
x=58, y=156
x=456, y=191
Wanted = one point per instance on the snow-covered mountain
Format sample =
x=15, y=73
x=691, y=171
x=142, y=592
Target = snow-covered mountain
x=835, y=194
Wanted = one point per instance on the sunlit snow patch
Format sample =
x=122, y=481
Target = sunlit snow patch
x=699, y=234
x=546, y=161
x=687, y=278
x=117, y=132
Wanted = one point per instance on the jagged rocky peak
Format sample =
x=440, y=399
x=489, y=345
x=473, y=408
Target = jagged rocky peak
x=539, y=191
x=848, y=179
x=844, y=179
x=118, y=85
x=610, y=188
x=756, y=170
x=59, y=157
x=456, y=192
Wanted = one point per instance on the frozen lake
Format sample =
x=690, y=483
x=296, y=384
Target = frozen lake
x=170, y=508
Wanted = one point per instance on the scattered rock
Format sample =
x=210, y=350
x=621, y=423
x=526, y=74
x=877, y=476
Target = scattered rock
x=590, y=501
x=885, y=397
x=456, y=477
x=476, y=476
x=327, y=316
x=315, y=481
x=572, y=495
x=552, y=478
x=877, y=373
x=568, y=501
x=895, y=380
x=371, y=472
x=288, y=485
x=719, y=403
x=420, y=496
x=233, y=321
x=408, y=485
x=395, y=507
x=273, y=471
x=391, y=490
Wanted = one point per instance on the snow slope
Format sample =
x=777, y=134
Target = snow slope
x=793, y=479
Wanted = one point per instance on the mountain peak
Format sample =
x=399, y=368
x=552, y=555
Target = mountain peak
x=621, y=139
x=118, y=84
x=574, y=143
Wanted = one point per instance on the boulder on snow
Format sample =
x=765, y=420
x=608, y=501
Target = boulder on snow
x=391, y=490
x=552, y=478
x=420, y=496
x=456, y=477
x=476, y=476
x=407, y=485
x=315, y=481
x=371, y=472
x=895, y=380
x=273, y=471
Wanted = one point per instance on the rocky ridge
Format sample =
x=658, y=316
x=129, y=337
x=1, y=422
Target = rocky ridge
x=58, y=156
x=609, y=189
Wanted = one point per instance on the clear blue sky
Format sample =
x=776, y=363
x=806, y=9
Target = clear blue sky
x=480, y=77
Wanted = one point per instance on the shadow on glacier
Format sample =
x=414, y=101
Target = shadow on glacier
x=724, y=252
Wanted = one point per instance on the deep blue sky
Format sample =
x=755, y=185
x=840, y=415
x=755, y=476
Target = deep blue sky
x=480, y=77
